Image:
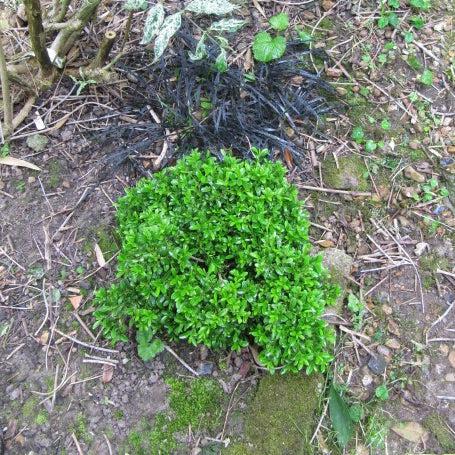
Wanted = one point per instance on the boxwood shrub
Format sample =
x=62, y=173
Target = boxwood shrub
x=217, y=253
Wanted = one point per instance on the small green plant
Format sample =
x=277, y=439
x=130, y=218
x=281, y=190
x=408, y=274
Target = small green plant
x=357, y=308
x=417, y=22
x=420, y=5
x=267, y=47
x=148, y=347
x=82, y=83
x=4, y=150
x=382, y=392
x=217, y=253
x=426, y=77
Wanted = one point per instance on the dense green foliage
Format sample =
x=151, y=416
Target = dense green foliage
x=217, y=253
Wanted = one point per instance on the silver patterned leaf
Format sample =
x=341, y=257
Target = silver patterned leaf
x=170, y=26
x=227, y=25
x=135, y=5
x=153, y=23
x=217, y=7
x=201, y=50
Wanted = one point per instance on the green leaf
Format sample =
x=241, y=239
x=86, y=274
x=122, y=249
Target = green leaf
x=408, y=37
x=417, y=21
x=394, y=3
x=356, y=413
x=200, y=51
x=135, y=5
x=382, y=58
x=385, y=124
x=370, y=145
x=413, y=62
x=393, y=19
x=153, y=23
x=227, y=25
x=148, y=348
x=420, y=4
x=266, y=48
x=221, y=64
x=170, y=26
x=383, y=22
x=382, y=392
x=426, y=77
x=216, y=7
x=304, y=36
x=279, y=22
x=340, y=417
x=358, y=134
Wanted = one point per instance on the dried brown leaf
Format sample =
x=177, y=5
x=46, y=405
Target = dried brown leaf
x=75, y=300
x=411, y=431
x=108, y=372
x=11, y=161
x=99, y=256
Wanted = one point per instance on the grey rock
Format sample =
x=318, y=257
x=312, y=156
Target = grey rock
x=377, y=364
x=205, y=368
x=15, y=394
x=125, y=398
x=37, y=142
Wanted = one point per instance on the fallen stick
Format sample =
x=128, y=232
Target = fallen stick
x=87, y=345
x=331, y=190
x=171, y=351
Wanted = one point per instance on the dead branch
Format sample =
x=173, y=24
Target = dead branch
x=104, y=50
x=6, y=95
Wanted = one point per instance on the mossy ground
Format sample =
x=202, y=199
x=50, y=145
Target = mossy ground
x=197, y=404
x=280, y=418
x=350, y=174
x=436, y=424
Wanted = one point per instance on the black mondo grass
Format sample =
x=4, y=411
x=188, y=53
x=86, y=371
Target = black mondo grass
x=201, y=107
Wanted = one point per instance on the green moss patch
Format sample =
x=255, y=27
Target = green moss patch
x=280, y=419
x=197, y=403
x=350, y=174
x=436, y=424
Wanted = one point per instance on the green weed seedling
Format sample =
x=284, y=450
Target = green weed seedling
x=267, y=47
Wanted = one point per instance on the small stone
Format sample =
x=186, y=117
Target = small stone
x=342, y=91
x=377, y=364
x=451, y=149
x=367, y=380
x=327, y=5
x=66, y=184
x=383, y=350
x=31, y=179
x=333, y=72
x=444, y=349
x=125, y=398
x=203, y=352
x=450, y=377
x=153, y=378
x=37, y=142
x=412, y=174
x=15, y=394
x=393, y=343
x=387, y=310
x=414, y=145
x=452, y=358
x=205, y=368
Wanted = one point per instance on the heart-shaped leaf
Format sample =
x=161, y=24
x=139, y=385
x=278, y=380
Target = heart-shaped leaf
x=266, y=48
